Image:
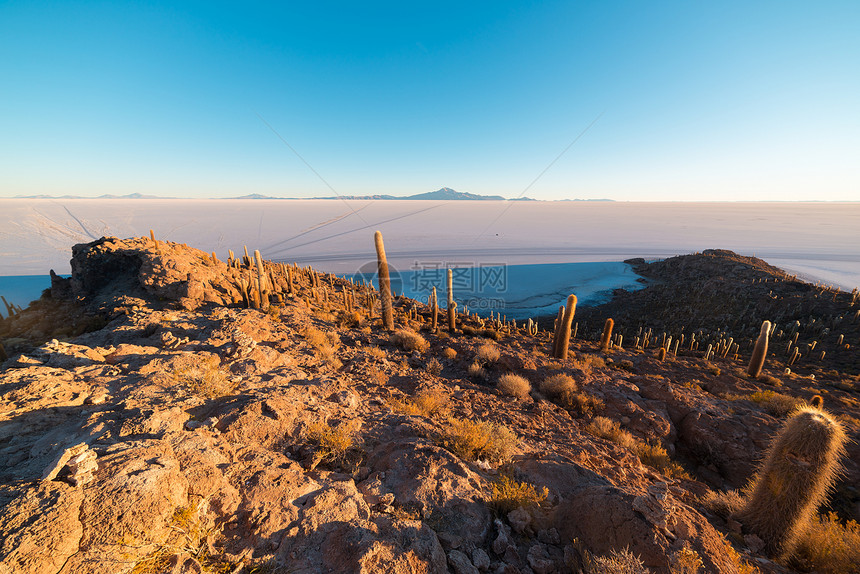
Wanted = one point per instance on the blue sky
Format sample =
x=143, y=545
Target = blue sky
x=693, y=100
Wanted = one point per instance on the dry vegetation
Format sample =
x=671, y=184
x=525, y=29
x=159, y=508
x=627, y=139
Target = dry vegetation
x=509, y=494
x=409, y=340
x=478, y=440
x=205, y=379
x=558, y=386
x=425, y=404
x=653, y=455
x=514, y=385
x=830, y=546
x=324, y=345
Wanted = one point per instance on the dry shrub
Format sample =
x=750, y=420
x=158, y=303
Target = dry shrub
x=685, y=561
x=205, y=378
x=509, y=494
x=770, y=380
x=477, y=371
x=711, y=368
x=616, y=562
x=723, y=503
x=514, y=385
x=433, y=366
x=776, y=404
x=188, y=533
x=334, y=445
x=377, y=376
x=609, y=429
x=425, y=403
x=473, y=440
x=376, y=353
x=449, y=353
x=558, y=385
x=351, y=320
x=830, y=547
x=324, y=315
x=588, y=363
x=740, y=565
x=409, y=340
x=487, y=353
x=584, y=404
x=656, y=457
x=325, y=345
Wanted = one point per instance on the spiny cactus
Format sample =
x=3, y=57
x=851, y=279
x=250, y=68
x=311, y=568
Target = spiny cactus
x=759, y=352
x=607, y=334
x=563, y=340
x=452, y=307
x=661, y=354
x=557, y=329
x=795, y=477
x=816, y=401
x=434, y=306
x=261, y=281
x=384, y=283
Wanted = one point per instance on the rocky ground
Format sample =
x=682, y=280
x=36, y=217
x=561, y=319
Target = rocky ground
x=151, y=422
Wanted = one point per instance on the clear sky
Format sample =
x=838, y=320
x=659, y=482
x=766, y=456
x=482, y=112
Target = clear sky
x=728, y=100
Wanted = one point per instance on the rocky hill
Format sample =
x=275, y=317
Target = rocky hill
x=157, y=414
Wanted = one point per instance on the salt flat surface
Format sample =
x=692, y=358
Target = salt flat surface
x=516, y=291
x=22, y=289
x=821, y=240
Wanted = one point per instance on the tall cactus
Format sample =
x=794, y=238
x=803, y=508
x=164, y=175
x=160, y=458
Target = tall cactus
x=452, y=306
x=261, y=281
x=795, y=477
x=607, y=334
x=434, y=304
x=759, y=352
x=384, y=283
x=563, y=340
x=557, y=329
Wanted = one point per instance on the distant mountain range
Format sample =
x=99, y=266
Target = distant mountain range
x=444, y=194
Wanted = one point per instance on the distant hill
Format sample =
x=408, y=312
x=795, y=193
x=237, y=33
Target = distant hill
x=446, y=193
x=443, y=194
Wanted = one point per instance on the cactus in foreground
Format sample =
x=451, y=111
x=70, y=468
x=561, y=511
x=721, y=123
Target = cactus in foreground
x=759, y=352
x=563, y=340
x=799, y=469
x=384, y=283
x=607, y=334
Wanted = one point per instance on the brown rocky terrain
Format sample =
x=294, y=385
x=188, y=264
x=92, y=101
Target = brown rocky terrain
x=150, y=421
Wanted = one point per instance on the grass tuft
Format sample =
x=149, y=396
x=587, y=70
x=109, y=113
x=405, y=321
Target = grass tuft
x=514, y=385
x=509, y=494
x=409, y=340
x=558, y=385
x=487, y=354
x=830, y=547
x=473, y=440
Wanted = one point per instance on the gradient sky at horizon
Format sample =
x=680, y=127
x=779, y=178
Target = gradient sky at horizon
x=692, y=101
